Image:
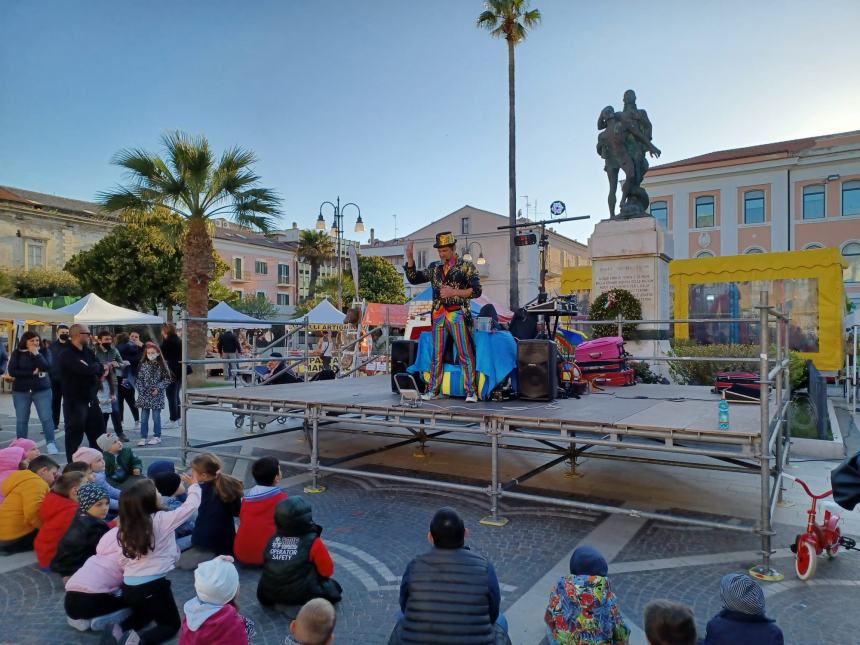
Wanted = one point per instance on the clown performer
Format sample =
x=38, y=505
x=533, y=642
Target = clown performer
x=455, y=282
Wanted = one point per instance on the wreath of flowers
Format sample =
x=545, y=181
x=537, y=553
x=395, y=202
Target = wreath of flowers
x=608, y=305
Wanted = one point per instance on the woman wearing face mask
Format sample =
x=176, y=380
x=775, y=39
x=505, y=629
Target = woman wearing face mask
x=32, y=386
x=153, y=377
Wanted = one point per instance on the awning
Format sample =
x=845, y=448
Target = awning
x=14, y=310
x=378, y=313
x=223, y=316
x=92, y=310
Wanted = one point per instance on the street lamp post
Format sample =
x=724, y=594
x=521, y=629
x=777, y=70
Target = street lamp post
x=337, y=231
x=467, y=253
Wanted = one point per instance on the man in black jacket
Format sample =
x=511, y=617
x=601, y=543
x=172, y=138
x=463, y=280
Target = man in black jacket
x=430, y=614
x=171, y=350
x=57, y=348
x=228, y=348
x=80, y=373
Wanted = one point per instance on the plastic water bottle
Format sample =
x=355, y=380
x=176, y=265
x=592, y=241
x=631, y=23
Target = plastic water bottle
x=724, y=414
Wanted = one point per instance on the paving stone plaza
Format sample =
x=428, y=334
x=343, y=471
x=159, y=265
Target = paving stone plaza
x=374, y=527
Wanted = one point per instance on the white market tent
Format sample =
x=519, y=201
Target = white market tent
x=92, y=310
x=13, y=310
x=234, y=319
x=324, y=316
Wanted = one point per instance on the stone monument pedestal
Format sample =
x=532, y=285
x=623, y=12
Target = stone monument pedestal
x=634, y=255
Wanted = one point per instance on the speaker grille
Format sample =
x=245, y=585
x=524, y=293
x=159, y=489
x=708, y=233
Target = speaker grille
x=536, y=370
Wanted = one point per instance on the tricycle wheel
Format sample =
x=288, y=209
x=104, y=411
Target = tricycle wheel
x=239, y=421
x=806, y=560
x=282, y=420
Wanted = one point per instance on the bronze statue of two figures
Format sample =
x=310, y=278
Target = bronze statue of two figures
x=624, y=139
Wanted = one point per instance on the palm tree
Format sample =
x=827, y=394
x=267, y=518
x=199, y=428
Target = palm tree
x=315, y=247
x=509, y=19
x=189, y=182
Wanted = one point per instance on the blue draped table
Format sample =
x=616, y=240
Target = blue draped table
x=496, y=359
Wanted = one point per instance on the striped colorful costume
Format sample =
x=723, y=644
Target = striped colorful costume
x=450, y=316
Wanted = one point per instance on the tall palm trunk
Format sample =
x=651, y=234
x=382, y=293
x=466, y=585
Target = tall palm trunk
x=512, y=180
x=198, y=270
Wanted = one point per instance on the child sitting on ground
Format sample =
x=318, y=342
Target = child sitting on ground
x=582, y=606
x=172, y=491
x=211, y=616
x=80, y=467
x=97, y=463
x=11, y=460
x=669, y=623
x=85, y=531
x=57, y=512
x=257, y=517
x=220, y=502
x=120, y=462
x=24, y=492
x=742, y=620
x=146, y=535
x=296, y=564
x=31, y=450
x=314, y=625
x=160, y=466
x=93, y=592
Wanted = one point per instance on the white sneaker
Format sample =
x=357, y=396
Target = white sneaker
x=137, y=425
x=471, y=399
x=98, y=623
x=429, y=396
x=81, y=624
x=153, y=441
x=142, y=442
x=51, y=448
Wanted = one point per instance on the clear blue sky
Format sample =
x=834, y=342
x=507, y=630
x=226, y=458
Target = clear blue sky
x=401, y=105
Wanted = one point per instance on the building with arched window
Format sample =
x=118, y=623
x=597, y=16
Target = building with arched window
x=786, y=196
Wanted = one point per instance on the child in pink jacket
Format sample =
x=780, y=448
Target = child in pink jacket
x=211, y=616
x=149, y=552
x=92, y=593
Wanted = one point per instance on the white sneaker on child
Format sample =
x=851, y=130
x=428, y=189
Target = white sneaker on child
x=51, y=447
x=153, y=441
x=98, y=623
x=81, y=624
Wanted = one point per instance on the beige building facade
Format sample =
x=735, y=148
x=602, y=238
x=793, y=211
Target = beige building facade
x=784, y=196
x=39, y=231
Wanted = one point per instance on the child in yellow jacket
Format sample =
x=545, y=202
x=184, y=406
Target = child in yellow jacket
x=24, y=491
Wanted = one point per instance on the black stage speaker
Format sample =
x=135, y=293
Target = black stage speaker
x=403, y=354
x=536, y=369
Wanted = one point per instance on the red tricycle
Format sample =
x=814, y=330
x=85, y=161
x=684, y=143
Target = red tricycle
x=818, y=537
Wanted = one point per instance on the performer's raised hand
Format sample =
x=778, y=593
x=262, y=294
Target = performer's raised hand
x=410, y=259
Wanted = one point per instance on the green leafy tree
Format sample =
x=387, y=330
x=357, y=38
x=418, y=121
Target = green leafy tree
x=256, y=306
x=7, y=287
x=379, y=281
x=37, y=283
x=190, y=182
x=315, y=247
x=134, y=266
x=511, y=20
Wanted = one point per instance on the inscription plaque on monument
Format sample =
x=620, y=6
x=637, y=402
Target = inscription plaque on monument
x=636, y=275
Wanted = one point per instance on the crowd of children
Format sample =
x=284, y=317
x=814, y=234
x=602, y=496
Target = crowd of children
x=115, y=570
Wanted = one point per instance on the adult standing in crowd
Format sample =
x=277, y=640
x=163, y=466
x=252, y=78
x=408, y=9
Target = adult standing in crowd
x=57, y=348
x=109, y=356
x=171, y=350
x=28, y=365
x=228, y=348
x=130, y=348
x=80, y=373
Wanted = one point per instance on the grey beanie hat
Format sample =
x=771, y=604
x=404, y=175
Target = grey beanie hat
x=741, y=593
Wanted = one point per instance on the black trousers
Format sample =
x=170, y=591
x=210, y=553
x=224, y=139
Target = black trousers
x=18, y=545
x=56, y=399
x=82, y=417
x=126, y=397
x=152, y=602
x=89, y=605
x=173, y=400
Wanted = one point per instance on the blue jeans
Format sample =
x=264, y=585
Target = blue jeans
x=144, y=422
x=42, y=400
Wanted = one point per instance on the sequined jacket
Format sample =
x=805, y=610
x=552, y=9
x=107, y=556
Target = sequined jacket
x=462, y=275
